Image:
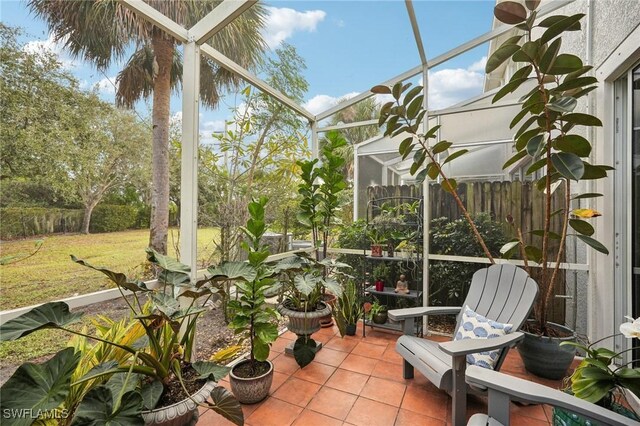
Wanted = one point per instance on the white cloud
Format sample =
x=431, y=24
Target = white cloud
x=56, y=47
x=452, y=85
x=282, y=22
x=106, y=86
x=214, y=126
x=321, y=103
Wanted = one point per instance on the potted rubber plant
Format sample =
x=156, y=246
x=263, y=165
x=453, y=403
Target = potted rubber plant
x=253, y=319
x=600, y=379
x=349, y=309
x=548, y=137
x=152, y=381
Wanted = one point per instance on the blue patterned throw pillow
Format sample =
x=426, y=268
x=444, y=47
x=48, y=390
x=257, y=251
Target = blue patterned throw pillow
x=475, y=326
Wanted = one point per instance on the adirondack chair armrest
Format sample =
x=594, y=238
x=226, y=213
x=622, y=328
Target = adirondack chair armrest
x=470, y=346
x=503, y=388
x=402, y=314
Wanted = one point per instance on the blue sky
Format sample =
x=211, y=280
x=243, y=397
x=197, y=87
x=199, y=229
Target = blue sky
x=348, y=46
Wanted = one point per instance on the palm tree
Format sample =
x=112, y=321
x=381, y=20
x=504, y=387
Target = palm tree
x=103, y=31
x=364, y=110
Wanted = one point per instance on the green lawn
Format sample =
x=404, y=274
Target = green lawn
x=51, y=275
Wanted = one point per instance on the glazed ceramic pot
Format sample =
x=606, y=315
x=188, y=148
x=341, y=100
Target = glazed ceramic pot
x=543, y=355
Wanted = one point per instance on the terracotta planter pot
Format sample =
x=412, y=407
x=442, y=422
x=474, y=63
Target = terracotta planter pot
x=181, y=413
x=330, y=300
x=249, y=390
x=376, y=250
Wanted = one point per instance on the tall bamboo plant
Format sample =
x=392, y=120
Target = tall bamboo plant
x=549, y=139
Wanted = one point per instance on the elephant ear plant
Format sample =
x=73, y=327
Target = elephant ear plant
x=549, y=139
x=144, y=373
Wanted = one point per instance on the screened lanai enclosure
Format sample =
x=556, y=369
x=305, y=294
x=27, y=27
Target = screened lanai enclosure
x=505, y=195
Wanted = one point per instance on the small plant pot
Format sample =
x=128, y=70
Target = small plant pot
x=380, y=317
x=376, y=250
x=543, y=355
x=350, y=330
x=181, y=413
x=249, y=390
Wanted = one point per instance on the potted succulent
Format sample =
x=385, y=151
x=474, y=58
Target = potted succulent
x=547, y=140
x=600, y=381
x=252, y=320
x=302, y=283
x=152, y=381
x=378, y=312
x=348, y=310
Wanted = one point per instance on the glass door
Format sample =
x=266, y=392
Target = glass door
x=635, y=197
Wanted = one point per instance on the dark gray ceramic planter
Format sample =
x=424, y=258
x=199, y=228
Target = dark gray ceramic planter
x=544, y=357
x=253, y=389
x=181, y=413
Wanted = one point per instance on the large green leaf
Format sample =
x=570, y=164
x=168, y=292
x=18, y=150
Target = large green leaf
x=535, y=146
x=568, y=165
x=563, y=105
x=260, y=350
x=582, y=119
x=266, y=331
x=210, y=370
x=549, y=56
x=151, y=393
x=500, y=56
x=560, y=26
x=225, y=404
x=49, y=315
x=97, y=409
x=574, y=144
x=581, y=226
x=333, y=286
x=304, y=351
x=233, y=270
x=593, y=243
x=122, y=383
x=454, y=155
x=166, y=304
x=38, y=387
x=564, y=64
x=306, y=283
x=508, y=88
x=165, y=262
x=118, y=278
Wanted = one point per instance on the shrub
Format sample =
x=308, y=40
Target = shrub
x=112, y=218
x=353, y=236
x=449, y=281
x=29, y=221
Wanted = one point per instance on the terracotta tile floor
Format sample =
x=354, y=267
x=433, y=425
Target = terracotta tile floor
x=358, y=381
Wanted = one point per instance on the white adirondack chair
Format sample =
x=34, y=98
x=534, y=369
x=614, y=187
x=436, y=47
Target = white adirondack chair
x=503, y=388
x=503, y=293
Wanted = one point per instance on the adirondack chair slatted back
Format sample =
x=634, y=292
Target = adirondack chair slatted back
x=503, y=293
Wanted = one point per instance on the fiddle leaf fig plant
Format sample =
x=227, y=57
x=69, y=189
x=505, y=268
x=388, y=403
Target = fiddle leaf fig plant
x=549, y=137
x=253, y=319
x=320, y=188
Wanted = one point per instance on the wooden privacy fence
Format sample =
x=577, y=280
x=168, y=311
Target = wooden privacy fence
x=520, y=201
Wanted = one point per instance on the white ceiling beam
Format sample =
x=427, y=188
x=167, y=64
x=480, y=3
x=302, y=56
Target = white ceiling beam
x=218, y=18
x=364, y=95
x=158, y=19
x=488, y=36
x=553, y=5
x=227, y=63
x=349, y=125
x=416, y=31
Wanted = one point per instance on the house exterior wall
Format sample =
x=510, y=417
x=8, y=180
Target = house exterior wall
x=608, y=25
